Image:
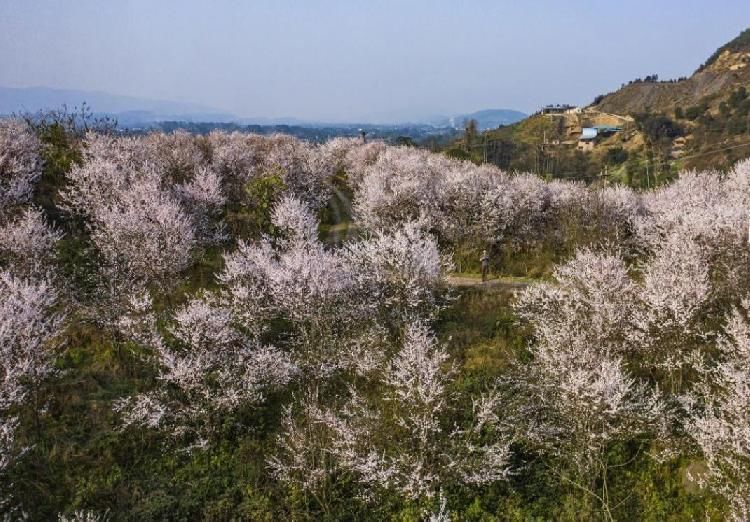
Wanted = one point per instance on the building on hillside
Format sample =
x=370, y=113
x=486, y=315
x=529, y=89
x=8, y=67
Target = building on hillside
x=586, y=139
x=607, y=130
x=557, y=109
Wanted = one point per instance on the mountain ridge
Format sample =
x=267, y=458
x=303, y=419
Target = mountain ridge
x=132, y=110
x=727, y=68
x=34, y=99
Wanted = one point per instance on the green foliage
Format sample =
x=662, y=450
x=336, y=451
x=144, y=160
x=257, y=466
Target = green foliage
x=405, y=141
x=616, y=156
x=737, y=125
x=251, y=217
x=693, y=112
x=658, y=127
x=470, y=134
x=458, y=153
x=737, y=97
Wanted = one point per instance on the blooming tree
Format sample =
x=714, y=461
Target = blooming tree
x=577, y=397
x=210, y=370
x=203, y=199
x=719, y=419
x=140, y=229
x=28, y=243
x=402, y=269
x=29, y=325
x=20, y=163
x=179, y=153
x=400, y=442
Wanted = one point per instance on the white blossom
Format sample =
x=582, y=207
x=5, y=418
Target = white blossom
x=20, y=163
x=29, y=326
x=719, y=419
x=29, y=243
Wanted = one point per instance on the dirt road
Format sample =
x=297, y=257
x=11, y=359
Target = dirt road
x=494, y=284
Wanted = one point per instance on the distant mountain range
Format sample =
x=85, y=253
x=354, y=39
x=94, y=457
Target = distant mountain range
x=130, y=111
x=486, y=119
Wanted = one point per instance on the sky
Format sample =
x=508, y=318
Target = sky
x=356, y=60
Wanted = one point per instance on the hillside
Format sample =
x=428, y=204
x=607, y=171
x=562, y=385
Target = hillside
x=642, y=134
x=727, y=69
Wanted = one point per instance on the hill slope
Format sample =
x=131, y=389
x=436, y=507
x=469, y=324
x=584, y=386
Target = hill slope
x=657, y=128
x=727, y=69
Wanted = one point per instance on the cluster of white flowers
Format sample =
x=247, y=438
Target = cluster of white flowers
x=28, y=243
x=616, y=348
x=31, y=315
x=720, y=415
x=20, y=162
x=337, y=306
x=466, y=203
x=419, y=455
x=210, y=370
x=142, y=232
x=578, y=394
x=304, y=169
x=29, y=325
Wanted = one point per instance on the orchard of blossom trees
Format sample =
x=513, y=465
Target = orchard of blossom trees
x=182, y=336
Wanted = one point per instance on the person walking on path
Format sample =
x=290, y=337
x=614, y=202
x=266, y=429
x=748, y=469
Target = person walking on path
x=485, y=260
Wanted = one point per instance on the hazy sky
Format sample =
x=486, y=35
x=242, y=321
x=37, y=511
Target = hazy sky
x=355, y=59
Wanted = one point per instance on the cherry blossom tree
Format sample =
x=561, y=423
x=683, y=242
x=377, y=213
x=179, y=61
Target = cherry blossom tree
x=28, y=243
x=515, y=212
x=178, y=153
x=236, y=157
x=209, y=371
x=29, y=325
x=203, y=199
x=336, y=301
x=399, y=186
x=589, y=306
x=351, y=156
x=398, y=443
x=719, y=420
x=459, y=210
x=577, y=397
x=140, y=229
x=698, y=205
x=402, y=269
x=295, y=279
x=144, y=234
x=676, y=298
x=305, y=172
x=241, y=158
x=20, y=163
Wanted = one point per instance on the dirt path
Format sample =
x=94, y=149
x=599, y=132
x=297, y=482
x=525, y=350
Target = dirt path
x=495, y=284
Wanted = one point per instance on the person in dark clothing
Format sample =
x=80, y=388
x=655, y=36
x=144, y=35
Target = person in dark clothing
x=485, y=260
